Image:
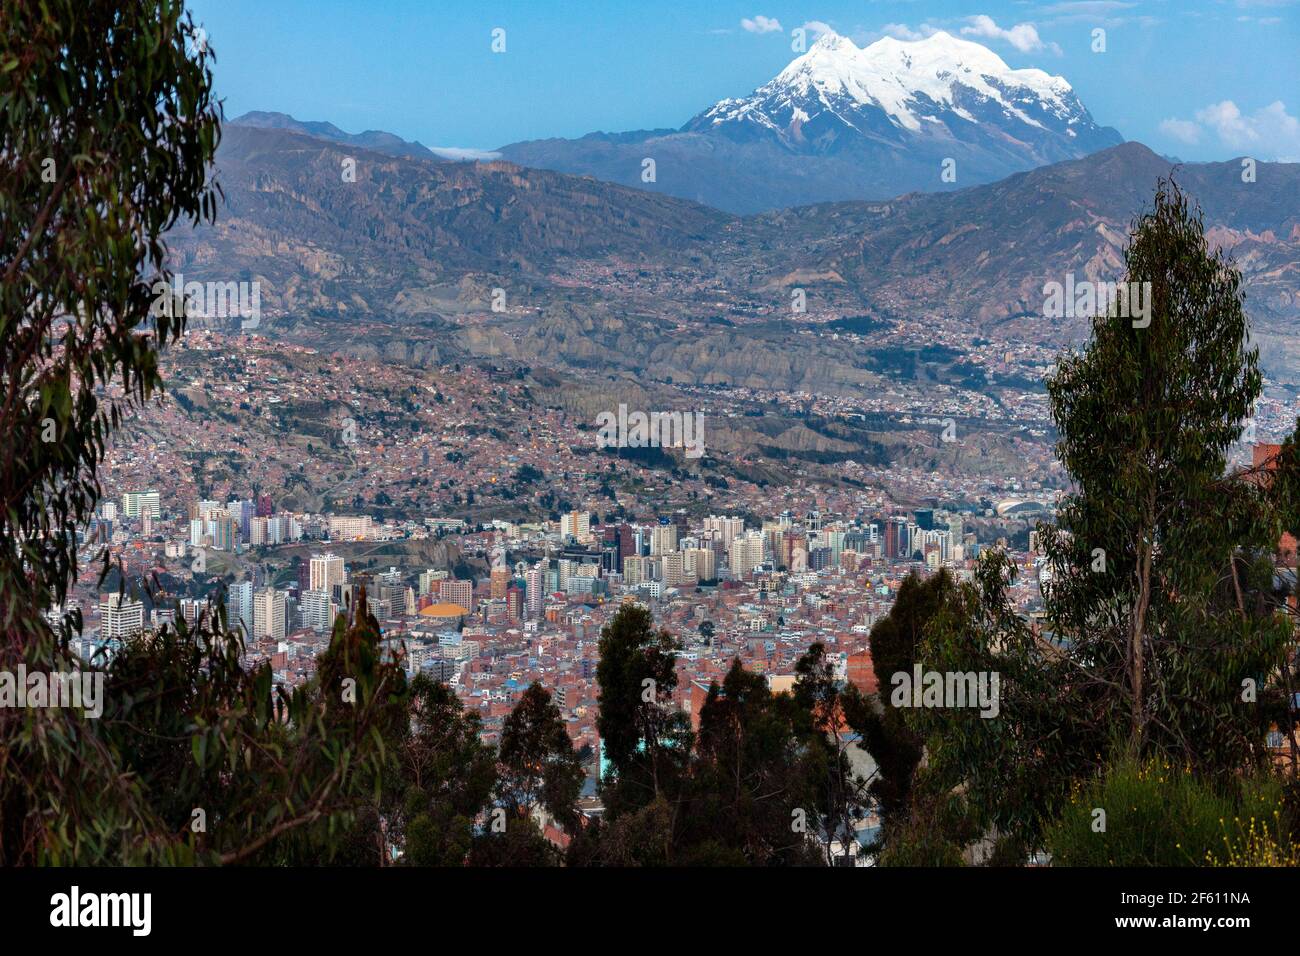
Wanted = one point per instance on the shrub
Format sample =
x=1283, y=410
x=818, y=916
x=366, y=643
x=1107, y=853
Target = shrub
x=1160, y=815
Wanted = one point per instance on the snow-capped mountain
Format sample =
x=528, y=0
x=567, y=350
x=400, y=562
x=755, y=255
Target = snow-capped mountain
x=843, y=122
x=894, y=91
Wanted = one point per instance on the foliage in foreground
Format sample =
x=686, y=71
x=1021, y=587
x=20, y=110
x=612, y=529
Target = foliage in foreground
x=1150, y=813
x=1162, y=631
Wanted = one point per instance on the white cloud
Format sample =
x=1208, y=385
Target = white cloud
x=1103, y=13
x=459, y=154
x=901, y=31
x=1183, y=130
x=815, y=28
x=1023, y=36
x=1269, y=133
x=761, y=24
x=1271, y=124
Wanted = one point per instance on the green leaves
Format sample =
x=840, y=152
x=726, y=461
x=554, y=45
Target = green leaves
x=109, y=128
x=1147, y=650
x=106, y=143
x=636, y=674
x=538, y=766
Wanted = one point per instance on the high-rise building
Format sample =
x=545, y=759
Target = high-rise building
x=674, y=566
x=499, y=582
x=634, y=570
x=429, y=579
x=535, y=596
x=576, y=525
x=222, y=530
x=325, y=572
x=746, y=553
x=134, y=503
x=390, y=579
x=350, y=527
x=833, y=538
x=317, y=612
x=441, y=669
x=663, y=539
x=239, y=606
x=897, y=542
x=459, y=592
x=791, y=541
x=268, y=614
x=701, y=564
x=729, y=528
x=191, y=608
x=119, y=616
x=290, y=527
x=955, y=528
x=621, y=541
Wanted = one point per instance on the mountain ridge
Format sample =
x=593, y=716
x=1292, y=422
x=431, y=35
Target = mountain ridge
x=841, y=123
x=597, y=273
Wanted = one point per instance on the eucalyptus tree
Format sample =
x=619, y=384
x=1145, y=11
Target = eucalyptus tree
x=1159, y=634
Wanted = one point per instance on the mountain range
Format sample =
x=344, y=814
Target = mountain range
x=360, y=239
x=593, y=287
x=841, y=122
x=376, y=140
x=416, y=240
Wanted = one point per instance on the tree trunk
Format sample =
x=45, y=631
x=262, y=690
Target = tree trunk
x=1142, y=603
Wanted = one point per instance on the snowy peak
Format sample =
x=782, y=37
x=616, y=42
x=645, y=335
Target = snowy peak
x=846, y=122
x=941, y=86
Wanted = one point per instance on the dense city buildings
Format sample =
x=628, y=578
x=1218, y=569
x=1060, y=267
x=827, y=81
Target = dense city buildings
x=493, y=547
x=491, y=607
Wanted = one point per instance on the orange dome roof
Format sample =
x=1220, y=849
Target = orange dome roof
x=445, y=609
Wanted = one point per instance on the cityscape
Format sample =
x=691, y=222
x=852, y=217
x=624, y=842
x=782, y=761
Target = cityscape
x=871, y=442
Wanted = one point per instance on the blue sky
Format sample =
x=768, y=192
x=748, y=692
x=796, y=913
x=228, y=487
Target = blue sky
x=1201, y=79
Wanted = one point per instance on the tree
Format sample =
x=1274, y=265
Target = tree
x=356, y=681
x=637, y=676
x=766, y=780
x=448, y=775
x=839, y=794
x=1152, y=625
x=646, y=744
x=754, y=782
x=743, y=791
x=538, y=767
x=108, y=131
x=106, y=141
x=895, y=747
x=1146, y=417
